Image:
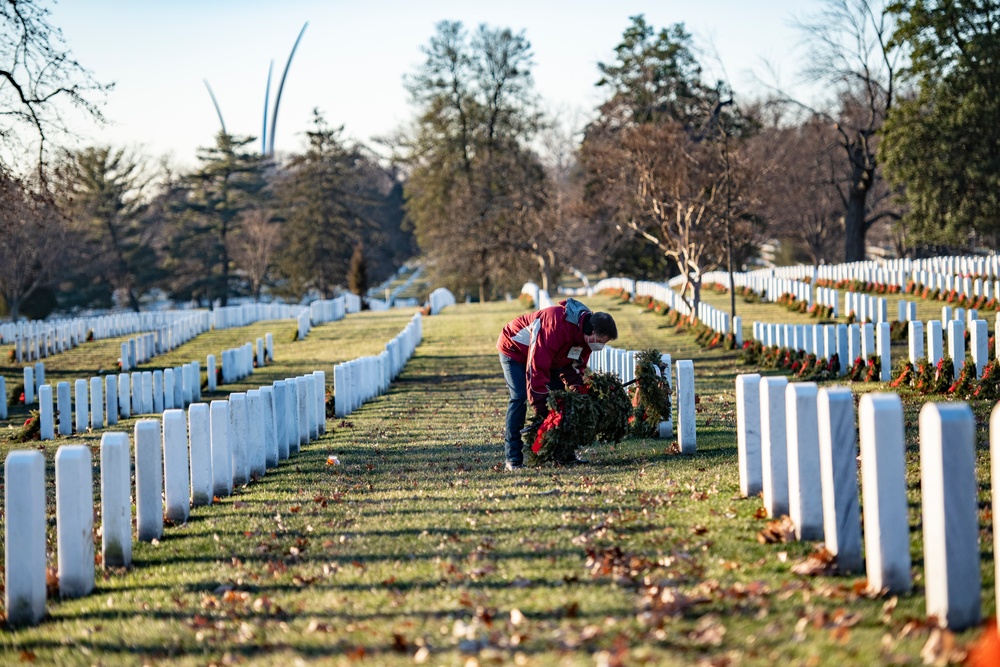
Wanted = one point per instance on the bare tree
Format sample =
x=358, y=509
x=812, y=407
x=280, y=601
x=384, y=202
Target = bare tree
x=850, y=53
x=40, y=80
x=801, y=199
x=253, y=247
x=32, y=234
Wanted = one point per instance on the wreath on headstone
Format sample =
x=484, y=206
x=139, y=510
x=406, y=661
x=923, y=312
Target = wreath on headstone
x=611, y=404
x=31, y=430
x=651, y=396
x=576, y=419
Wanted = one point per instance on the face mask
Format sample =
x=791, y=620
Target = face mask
x=596, y=347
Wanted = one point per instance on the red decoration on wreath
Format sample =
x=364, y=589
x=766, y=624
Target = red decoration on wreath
x=551, y=420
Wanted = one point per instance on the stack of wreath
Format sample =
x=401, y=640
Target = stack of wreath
x=577, y=419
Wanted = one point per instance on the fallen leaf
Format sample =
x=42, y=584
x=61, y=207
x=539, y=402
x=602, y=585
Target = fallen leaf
x=779, y=530
x=819, y=563
x=941, y=649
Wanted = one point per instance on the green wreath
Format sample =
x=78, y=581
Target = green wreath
x=570, y=424
x=611, y=405
x=651, y=396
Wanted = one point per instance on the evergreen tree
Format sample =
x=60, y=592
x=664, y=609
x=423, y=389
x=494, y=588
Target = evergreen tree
x=102, y=192
x=229, y=181
x=942, y=144
x=320, y=197
x=476, y=189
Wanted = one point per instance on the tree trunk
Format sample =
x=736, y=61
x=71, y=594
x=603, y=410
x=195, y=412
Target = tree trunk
x=854, y=226
x=696, y=297
x=543, y=269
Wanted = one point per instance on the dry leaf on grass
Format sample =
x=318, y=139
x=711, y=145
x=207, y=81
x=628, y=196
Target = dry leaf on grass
x=777, y=531
x=941, y=649
x=819, y=563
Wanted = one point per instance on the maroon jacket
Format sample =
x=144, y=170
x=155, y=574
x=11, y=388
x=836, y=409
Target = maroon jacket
x=549, y=342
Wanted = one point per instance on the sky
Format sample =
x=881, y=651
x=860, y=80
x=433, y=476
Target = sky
x=353, y=56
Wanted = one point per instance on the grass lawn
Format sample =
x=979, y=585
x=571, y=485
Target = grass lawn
x=418, y=548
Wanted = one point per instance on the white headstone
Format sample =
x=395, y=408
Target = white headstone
x=124, y=396
x=175, y=465
x=935, y=346
x=773, y=448
x=980, y=344
x=311, y=416
x=29, y=385
x=147, y=392
x=136, y=384
x=270, y=427
x=24, y=537
x=82, y=408
x=838, y=452
x=294, y=429
x=281, y=417
x=748, y=432
x=956, y=344
x=222, y=458
x=948, y=489
x=46, y=413
x=116, y=501
x=210, y=366
x=320, y=378
x=148, y=480
x=238, y=436
x=805, y=496
x=111, y=398
x=686, y=433
x=883, y=351
x=200, y=437
x=303, y=407
x=916, y=334
x=256, y=447
x=96, y=403
x=168, y=389
x=883, y=487
x=75, y=520
x=158, y=406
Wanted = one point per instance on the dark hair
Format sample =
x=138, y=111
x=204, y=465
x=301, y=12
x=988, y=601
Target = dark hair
x=604, y=325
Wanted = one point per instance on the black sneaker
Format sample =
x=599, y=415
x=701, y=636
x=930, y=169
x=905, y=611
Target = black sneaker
x=510, y=466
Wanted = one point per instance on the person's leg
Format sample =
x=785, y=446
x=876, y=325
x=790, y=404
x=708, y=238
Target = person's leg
x=517, y=406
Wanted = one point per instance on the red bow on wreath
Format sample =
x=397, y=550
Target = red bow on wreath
x=552, y=420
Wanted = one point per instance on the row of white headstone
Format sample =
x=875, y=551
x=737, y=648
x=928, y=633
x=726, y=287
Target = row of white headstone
x=125, y=395
x=847, y=341
x=623, y=362
x=798, y=448
x=184, y=459
x=358, y=381
x=979, y=342
x=850, y=341
x=971, y=277
x=102, y=401
x=662, y=292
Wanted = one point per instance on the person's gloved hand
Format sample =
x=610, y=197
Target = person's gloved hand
x=580, y=389
x=539, y=403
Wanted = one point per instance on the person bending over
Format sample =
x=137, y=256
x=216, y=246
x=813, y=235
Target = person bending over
x=543, y=350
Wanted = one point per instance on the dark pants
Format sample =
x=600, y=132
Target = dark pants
x=514, y=374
